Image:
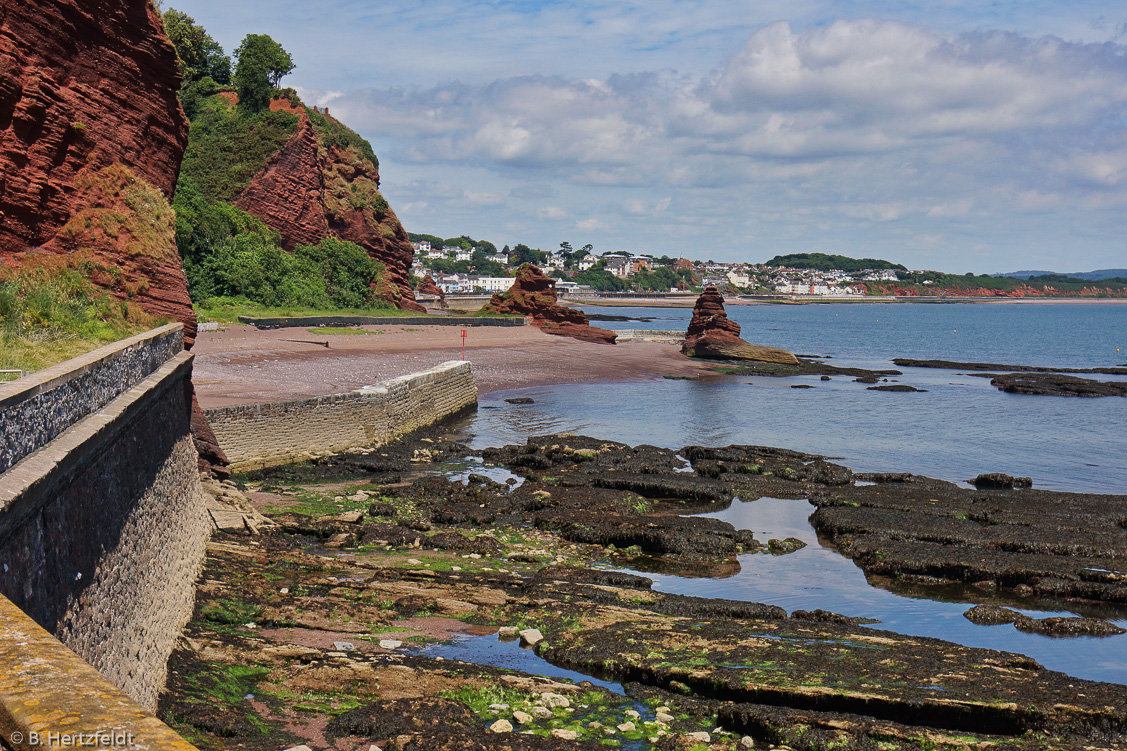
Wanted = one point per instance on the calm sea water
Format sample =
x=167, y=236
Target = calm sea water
x=960, y=428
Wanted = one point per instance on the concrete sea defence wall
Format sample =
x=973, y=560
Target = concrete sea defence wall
x=102, y=520
x=645, y=335
x=272, y=433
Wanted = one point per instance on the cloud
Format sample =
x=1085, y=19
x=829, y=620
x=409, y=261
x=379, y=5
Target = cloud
x=592, y=225
x=797, y=138
x=551, y=213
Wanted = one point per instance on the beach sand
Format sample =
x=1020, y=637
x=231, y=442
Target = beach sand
x=242, y=364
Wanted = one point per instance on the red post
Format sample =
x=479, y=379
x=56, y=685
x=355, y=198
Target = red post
x=463, y=344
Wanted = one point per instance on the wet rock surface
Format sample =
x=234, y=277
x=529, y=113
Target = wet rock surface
x=309, y=632
x=1055, y=384
x=904, y=362
x=1030, y=542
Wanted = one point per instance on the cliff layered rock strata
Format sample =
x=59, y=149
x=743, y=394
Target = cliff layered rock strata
x=91, y=138
x=713, y=335
x=534, y=295
x=310, y=190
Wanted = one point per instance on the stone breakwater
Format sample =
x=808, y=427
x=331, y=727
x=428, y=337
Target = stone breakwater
x=273, y=433
x=102, y=521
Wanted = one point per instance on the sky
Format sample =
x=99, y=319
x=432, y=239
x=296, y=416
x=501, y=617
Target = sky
x=956, y=135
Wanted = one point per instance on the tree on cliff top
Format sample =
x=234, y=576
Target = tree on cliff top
x=262, y=63
x=197, y=53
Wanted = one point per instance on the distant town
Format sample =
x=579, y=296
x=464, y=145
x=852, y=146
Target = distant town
x=467, y=266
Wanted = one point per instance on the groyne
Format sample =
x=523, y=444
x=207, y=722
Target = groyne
x=268, y=434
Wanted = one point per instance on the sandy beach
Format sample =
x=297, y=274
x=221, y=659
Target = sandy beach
x=242, y=364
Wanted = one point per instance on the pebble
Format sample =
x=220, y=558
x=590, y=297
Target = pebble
x=522, y=718
x=632, y=714
x=498, y=707
x=532, y=637
x=747, y=742
x=567, y=735
x=701, y=736
x=343, y=646
x=664, y=717
x=299, y=748
x=509, y=631
x=502, y=726
x=390, y=644
x=284, y=591
x=541, y=713
x=553, y=700
x=627, y=727
x=414, y=561
x=455, y=568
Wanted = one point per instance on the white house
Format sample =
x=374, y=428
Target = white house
x=463, y=255
x=491, y=284
x=587, y=262
x=423, y=246
x=436, y=254
x=739, y=278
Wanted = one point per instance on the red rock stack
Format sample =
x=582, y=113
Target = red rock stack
x=714, y=336
x=534, y=295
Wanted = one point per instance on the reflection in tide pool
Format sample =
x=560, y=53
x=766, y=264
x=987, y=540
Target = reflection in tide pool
x=819, y=577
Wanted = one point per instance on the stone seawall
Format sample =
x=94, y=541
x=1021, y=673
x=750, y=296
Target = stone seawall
x=273, y=433
x=103, y=527
x=34, y=412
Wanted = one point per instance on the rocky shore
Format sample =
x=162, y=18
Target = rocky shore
x=323, y=630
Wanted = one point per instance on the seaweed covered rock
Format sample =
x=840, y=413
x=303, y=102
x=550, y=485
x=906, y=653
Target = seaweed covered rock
x=534, y=295
x=713, y=335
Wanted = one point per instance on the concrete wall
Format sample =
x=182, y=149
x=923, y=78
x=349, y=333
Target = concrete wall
x=272, y=433
x=102, y=522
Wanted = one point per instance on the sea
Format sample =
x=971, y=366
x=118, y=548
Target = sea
x=959, y=427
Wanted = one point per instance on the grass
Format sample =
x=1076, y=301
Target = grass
x=335, y=330
x=51, y=315
x=228, y=310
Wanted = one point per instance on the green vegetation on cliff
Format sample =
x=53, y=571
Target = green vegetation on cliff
x=48, y=315
x=232, y=259
x=827, y=262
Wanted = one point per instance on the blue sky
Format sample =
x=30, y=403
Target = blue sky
x=961, y=136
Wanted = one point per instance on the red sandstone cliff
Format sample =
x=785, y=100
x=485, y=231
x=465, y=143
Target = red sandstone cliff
x=713, y=335
x=90, y=126
x=309, y=190
x=428, y=287
x=534, y=295
x=91, y=137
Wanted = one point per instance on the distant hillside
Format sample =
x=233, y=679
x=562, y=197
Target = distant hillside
x=826, y=262
x=1089, y=275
